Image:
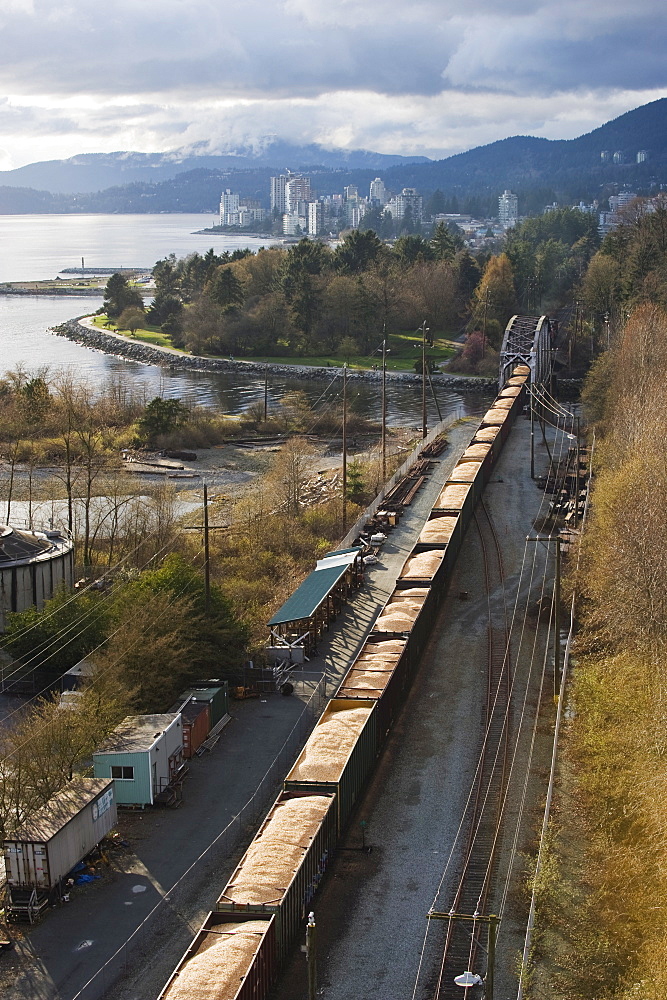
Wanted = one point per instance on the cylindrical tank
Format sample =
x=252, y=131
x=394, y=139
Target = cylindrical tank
x=33, y=564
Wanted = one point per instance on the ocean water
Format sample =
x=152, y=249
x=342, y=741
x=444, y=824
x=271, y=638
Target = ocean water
x=36, y=247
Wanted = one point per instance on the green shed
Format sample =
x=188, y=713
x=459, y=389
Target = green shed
x=216, y=697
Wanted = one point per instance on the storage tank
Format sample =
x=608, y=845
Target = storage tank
x=33, y=564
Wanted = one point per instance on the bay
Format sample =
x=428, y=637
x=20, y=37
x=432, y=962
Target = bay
x=40, y=246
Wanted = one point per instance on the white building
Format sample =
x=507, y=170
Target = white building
x=294, y=223
x=378, y=193
x=229, y=208
x=315, y=218
x=278, y=193
x=508, y=209
x=642, y=155
x=297, y=194
x=408, y=198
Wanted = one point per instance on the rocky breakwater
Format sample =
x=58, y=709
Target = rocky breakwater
x=148, y=354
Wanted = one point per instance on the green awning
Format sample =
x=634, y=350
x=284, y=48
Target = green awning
x=307, y=598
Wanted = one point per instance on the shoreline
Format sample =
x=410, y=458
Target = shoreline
x=166, y=357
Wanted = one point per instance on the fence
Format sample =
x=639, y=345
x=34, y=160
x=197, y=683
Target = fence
x=147, y=939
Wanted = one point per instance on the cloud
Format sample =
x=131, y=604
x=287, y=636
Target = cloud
x=432, y=75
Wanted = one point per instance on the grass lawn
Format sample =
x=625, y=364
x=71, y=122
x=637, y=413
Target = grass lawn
x=148, y=335
x=404, y=349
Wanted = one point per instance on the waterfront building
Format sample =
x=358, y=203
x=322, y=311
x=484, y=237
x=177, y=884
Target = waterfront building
x=278, y=193
x=605, y=156
x=297, y=194
x=229, y=208
x=294, y=224
x=619, y=156
x=508, y=209
x=315, y=218
x=642, y=155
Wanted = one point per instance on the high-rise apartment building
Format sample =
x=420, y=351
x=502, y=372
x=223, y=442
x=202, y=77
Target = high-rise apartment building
x=407, y=199
x=297, y=193
x=508, y=209
x=278, y=193
x=229, y=208
x=378, y=192
x=315, y=218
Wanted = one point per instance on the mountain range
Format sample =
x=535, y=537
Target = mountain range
x=538, y=170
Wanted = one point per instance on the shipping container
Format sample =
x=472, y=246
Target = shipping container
x=196, y=721
x=217, y=698
x=46, y=847
x=339, y=755
x=233, y=957
x=280, y=872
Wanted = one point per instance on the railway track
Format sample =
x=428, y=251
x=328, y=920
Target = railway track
x=461, y=951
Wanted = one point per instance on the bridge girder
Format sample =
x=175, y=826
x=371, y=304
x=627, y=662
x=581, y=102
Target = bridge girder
x=527, y=341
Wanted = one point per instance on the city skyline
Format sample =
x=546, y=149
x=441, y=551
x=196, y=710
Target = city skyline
x=429, y=79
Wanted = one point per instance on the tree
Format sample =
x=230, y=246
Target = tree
x=494, y=300
x=58, y=635
x=225, y=289
x=357, y=251
x=442, y=243
x=161, y=416
x=118, y=295
x=216, y=639
x=302, y=267
x=132, y=319
x=413, y=247
x=289, y=473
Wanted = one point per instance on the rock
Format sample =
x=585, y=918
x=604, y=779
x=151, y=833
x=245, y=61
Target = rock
x=146, y=354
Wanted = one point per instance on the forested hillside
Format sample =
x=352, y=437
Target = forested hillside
x=539, y=170
x=603, y=901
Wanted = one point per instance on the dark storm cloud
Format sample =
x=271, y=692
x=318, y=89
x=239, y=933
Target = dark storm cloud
x=431, y=76
x=306, y=47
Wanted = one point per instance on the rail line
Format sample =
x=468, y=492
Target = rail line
x=461, y=945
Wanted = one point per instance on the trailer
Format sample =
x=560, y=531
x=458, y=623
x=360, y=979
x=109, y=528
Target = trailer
x=40, y=854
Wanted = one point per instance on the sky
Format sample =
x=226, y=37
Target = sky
x=428, y=77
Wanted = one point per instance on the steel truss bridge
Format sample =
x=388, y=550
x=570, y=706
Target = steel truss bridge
x=527, y=341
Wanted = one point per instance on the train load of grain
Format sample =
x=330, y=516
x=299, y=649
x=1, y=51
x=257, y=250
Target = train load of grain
x=422, y=565
x=220, y=964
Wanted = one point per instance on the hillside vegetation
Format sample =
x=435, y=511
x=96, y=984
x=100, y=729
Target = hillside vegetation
x=606, y=918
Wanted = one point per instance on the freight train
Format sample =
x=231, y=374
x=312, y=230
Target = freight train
x=242, y=944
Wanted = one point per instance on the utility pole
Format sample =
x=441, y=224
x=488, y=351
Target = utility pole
x=576, y=479
x=424, y=332
x=207, y=565
x=311, y=956
x=344, y=448
x=492, y=920
x=486, y=306
x=384, y=405
x=266, y=391
x=532, y=434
